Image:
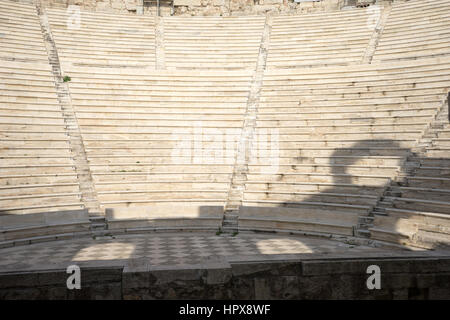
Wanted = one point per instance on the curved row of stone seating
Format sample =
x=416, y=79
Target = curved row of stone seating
x=415, y=29
x=329, y=140
x=160, y=144
x=321, y=39
x=20, y=33
x=87, y=38
x=212, y=42
x=39, y=190
x=416, y=209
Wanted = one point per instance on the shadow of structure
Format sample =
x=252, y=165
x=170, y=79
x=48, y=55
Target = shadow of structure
x=380, y=189
x=376, y=189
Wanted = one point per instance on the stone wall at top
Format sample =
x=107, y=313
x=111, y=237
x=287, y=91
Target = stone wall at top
x=207, y=7
x=252, y=7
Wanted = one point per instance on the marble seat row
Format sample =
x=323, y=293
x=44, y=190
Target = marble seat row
x=415, y=29
x=20, y=33
x=161, y=144
x=212, y=42
x=416, y=209
x=319, y=39
x=160, y=139
x=39, y=187
x=332, y=139
x=87, y=38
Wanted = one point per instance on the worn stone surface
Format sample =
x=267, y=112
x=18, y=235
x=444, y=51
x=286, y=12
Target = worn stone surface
x=97, y=283
x=203, y=7
x=172, y=249
x=314, y=274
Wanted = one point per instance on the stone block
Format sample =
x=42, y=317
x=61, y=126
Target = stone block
x=19, y=280
x=331, y=5
x=53, y=278
x=284, y=287
x=243, y=288
x=217, y=273
x=21, y=294
x=262, y=290
x=386, y=266
x=165, y=211
x=418, y=293
x=110, y=291
x=317, y=287
x=189, y=3
x=428, y=280
x=397, y=280
x=136, y=275
x=103, y=6
x=101, y=275
x=248, y=269
x=218, y=2
x=400, y=294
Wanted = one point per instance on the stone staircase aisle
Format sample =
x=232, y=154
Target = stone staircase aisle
x=230, y=223
x=159, y=44
x=378, y=31
x=86, y=184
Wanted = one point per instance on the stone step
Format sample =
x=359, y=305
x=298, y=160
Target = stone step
x=379, y=211
x=393, y=194
x=229, y=229
x=233, y=206
x=98, y=219
x=231, y=224
x=229, y=219
x=94, y=213
x=363, y=233
x=366, y=219
x=98, y=226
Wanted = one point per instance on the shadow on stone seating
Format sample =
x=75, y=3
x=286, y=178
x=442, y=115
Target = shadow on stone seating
x=338, y=208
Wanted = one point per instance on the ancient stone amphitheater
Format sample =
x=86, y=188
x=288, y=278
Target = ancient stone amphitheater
x=265, y=156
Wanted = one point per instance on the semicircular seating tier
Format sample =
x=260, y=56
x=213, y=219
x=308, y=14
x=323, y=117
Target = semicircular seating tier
x=161, y=144
x=212, y=42
x=355, y=150
x=329, y=141
x=39, y=187
x=415, y=29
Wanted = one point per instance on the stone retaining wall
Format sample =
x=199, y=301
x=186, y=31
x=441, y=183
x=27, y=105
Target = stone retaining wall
x=334, y=278
x=208, y=7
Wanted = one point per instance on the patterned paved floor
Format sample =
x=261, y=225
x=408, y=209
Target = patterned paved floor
x=168, y=249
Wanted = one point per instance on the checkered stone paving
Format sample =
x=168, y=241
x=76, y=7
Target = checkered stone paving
x=169, y=249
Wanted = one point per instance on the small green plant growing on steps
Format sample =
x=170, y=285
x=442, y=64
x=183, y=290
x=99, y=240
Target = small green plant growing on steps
x=235, y=234
x=66, y=79
x=219, y=232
